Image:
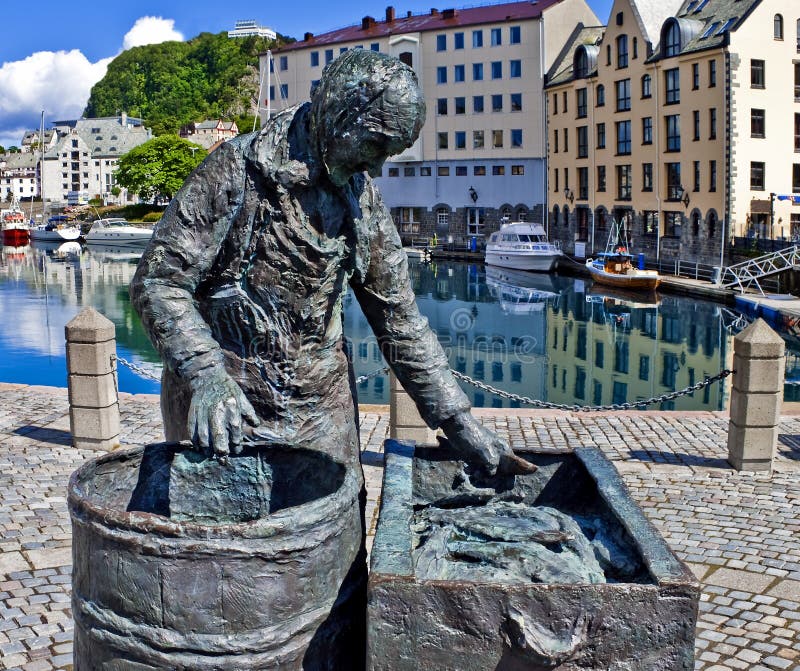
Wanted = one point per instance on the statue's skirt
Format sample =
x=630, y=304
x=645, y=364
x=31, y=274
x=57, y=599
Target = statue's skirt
x=285, y=590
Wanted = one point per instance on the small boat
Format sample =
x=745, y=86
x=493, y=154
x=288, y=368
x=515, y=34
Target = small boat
x=614, y=267
x=55, y=230
x=522, y=246
x=12, y=221
x=118, y=231
x=520, y=292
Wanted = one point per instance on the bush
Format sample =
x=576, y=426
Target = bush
x=151, y=217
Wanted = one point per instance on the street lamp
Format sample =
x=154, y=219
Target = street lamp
x=473, y=194
x=569, y=195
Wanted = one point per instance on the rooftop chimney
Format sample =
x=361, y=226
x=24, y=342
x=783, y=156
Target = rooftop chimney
x=389, y=14
x=448, y=13
x=367, y=22
x=409, y=14
x=434, y=11
x=308, y=36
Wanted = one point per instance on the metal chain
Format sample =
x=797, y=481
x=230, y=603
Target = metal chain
x=374, y=373
x=586, y=408
x=136, y=369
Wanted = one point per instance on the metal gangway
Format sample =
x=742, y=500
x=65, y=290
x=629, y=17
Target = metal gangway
x=747, y=273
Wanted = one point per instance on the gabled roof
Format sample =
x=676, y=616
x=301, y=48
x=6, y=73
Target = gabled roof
x=20, y=161
x=652, y=14
x=561, y=70
x=370, y=29
x=106, y=136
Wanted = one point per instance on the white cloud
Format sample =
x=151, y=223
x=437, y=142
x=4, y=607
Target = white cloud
x=151, y=30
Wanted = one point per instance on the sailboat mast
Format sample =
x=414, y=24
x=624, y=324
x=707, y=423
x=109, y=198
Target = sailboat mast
x=41, y=166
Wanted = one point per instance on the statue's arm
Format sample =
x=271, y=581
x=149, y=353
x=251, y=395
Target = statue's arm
x=183, y=249
x=413, y=350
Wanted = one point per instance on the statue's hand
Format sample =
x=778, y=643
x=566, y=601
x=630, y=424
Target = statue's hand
x=216, y=412
x=482, y=446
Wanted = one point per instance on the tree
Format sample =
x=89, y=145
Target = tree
x=156, y=169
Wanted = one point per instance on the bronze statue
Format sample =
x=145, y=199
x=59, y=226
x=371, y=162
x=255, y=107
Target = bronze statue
x=241, y=287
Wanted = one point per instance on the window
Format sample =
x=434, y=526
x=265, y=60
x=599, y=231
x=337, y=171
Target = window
x=777, y=28
x=497, y=139
x=647, y=86
x=623, y=137
x=497, y=102
x=797, y=131
x=712, y=224
x=621, y=356
x=375, y=46
x=672, y=224
x=408, y=58
x=608, y=54
x=514, y=35
x=564, y=101
x=601, y=136
x=555, y=103
x=515, y=68
x=712, y=74
x=443, y=171
x=712, y=123
x=712, y=176
x=796, y=178
x=461, y=139
x=757, y=75
x=442, y=217
x=479, y=170
x=566, y=140
x=497, y=69
x=498, y=170
x=673, y=181
x=477, y=71
x=458, y=73
x=620, y=18
x=425, y=171
x=477, y=139
x=516, y=102
x=441, y=43
x=647, y=130
x=581, y=64
x=601, y=95
x=710, y=30
x=583, y=188
x=555, y=140
x=583, y=141
x=441, y=106
x=556, y=189
x=461, y=170
x=517, y=169
x=696, y=173
x=442, y=140
x=409, y=219
x=342, y=49
x=647, y=176
x=460, y=104
x=650, y=222
x=601, y=178
x=757, y=175
x=516, y=137
x=622, y=51
x=797, y=79
x=673, y=132
x=441, y=74
x=695, y=76
x=496, y=37
x=284, y=63
x=284, y=91
x=314, y=59
x=672, y=41
x=477, y=39
x=624, y=185
x=623, y=88
x=672, y=83
x=458, y=41
x=580, y=101
x=477, y=104
x=696, y=125
x=635, y=48
x=409, y=171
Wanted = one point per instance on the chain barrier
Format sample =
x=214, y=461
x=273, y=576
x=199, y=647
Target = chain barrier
x=587, y=408
x=136, y=368
x=374, y=373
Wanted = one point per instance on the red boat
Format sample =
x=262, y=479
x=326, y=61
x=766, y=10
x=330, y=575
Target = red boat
x=12, y=221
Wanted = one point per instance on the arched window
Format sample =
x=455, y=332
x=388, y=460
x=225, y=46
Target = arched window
x=407, y=58
x=622, y=51
x=647, y=86
x=672, y=41
x=778, y=27
x=635, y=48
x=601, y=95
x=522, y=214
x=555, y=215
x=712, y=224
x=565, y=215
x=581, y=65
x=505, y=214
x=695, y=223
x=600, y=219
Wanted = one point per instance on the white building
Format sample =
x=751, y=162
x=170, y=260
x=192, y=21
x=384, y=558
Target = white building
x=86, y=155
x=250, y=28
x=18, y=176
x=481, y=155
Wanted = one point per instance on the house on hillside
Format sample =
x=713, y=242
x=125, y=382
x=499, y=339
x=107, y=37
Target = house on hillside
x=86, y=154
x=250, y=28
x=481, y=156
x=210, y=132
x=31, y=142
x=19, y=176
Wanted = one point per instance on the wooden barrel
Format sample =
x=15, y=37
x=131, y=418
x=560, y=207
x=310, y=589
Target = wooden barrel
x=285, y=590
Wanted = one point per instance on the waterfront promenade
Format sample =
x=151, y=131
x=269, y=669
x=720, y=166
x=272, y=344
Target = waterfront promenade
x=739, y=532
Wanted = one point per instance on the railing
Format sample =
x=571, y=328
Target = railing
x=749, y=272
x=682, y=268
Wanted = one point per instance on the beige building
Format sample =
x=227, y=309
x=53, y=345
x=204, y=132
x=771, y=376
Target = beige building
x=665, y=128
x=481, y=154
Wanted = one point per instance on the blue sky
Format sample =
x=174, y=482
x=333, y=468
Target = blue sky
x=51, y=53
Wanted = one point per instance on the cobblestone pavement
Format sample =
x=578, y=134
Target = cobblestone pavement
x=740, y=533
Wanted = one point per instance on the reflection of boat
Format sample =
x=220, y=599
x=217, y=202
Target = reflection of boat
x=117, y=231
x=55, y=230
x=634, y=299
x=520, y=292
x=109, y=252
x=522, y=246
x=57, y=249
x=12, y=221
x=614, y=267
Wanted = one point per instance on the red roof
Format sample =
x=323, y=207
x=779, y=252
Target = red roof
x=447, y=18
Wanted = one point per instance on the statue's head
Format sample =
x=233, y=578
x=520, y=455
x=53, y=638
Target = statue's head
x=366, y=107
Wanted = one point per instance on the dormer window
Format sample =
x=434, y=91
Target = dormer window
x=672, y=39
x=581, y=64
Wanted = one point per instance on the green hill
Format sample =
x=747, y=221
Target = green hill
x=174, y=83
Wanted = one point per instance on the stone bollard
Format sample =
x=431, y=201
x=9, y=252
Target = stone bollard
x=92, y=381
x=405, y=422
x=757, y=391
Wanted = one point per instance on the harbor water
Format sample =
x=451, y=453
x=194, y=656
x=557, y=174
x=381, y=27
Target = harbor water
x=548, y=337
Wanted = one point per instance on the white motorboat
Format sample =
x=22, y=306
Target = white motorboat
x=520, y=292
x=522, y=246
x=55, y=230
x=117, y=231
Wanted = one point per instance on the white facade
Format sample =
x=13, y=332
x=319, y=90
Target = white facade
x=250, y=28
